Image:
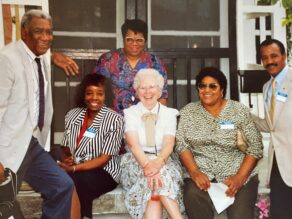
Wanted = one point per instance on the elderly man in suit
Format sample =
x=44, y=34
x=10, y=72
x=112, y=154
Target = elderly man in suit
x=26, y=112
x=278, y=121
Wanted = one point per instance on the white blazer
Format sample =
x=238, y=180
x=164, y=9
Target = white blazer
x=280, y=130
x=16, y=105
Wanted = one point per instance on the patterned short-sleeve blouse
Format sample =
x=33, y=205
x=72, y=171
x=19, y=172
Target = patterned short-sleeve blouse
x=213, y=145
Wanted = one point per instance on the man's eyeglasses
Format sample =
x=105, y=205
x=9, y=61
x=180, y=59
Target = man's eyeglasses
x=212, y=86
x=131, y=40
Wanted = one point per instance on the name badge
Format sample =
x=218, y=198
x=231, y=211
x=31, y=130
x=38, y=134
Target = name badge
x=282, y=97
x=90, y=133
x=227, y=125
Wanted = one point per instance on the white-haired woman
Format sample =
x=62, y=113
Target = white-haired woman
x=150, y=178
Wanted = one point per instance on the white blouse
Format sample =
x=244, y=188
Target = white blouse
x=165, y=124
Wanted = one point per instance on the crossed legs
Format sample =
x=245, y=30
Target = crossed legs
x=154, y=208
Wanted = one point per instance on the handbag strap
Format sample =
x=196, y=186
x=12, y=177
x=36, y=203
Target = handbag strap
x=235, y=112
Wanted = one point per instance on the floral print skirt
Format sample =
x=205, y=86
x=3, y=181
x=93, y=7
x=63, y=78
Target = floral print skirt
x=135, y=186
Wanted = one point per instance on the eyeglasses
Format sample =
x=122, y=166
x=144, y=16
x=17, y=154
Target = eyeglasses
x=151, y=87
x=212, y=86
x=131, y=40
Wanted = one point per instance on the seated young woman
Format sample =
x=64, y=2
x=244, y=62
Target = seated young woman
x=93, y=133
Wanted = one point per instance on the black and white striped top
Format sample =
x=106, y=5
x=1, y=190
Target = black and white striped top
x=108, y=127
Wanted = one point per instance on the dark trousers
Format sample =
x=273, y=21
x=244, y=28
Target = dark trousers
x=281, y=195
x=42, y=173
x=91, y=184
x=199, y=205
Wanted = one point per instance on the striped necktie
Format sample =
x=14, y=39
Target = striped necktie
x=273, y=102
x=41, y=95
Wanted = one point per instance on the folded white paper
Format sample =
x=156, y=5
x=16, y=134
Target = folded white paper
x=220, y=200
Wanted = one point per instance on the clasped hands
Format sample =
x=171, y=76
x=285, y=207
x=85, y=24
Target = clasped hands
x=152, y=172
x=234, y=182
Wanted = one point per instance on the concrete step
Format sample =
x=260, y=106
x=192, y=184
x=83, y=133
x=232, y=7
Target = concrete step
x=108, y=206
x=31, y=204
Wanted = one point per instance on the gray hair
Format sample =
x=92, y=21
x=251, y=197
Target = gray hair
x=29, y=15
x=148, y=72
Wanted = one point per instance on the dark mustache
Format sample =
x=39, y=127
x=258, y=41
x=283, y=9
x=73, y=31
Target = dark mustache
x=270, y=65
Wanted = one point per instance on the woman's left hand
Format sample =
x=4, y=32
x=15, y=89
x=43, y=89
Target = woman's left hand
x=153, y=167
x=234, y=184
x=69, y=161
x=67, y=168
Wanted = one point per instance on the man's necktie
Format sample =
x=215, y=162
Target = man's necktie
x=41, y=95
x=273, y=102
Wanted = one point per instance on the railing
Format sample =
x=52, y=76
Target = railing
x=182, y=67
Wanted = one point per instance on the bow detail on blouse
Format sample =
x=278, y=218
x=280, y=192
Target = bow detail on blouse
x=150, y=119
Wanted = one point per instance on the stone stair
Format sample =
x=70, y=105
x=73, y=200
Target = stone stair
x=108, y=206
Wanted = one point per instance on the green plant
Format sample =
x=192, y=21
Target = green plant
x=287, y=21
x=287, y=4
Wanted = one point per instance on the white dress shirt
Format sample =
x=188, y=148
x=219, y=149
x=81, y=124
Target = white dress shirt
x=35, y=74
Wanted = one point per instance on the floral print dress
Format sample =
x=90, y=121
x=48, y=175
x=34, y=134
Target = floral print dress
x=133, y=181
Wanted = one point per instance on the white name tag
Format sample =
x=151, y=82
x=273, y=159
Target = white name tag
x=282, y=97
x=227, y=125
x=90, y=133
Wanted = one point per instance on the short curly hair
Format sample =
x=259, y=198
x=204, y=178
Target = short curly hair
x=148, y=72
x=89, y=80
x=214, y=73
x=137, y=26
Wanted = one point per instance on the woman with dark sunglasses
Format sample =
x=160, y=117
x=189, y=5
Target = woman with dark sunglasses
x=206, y=141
